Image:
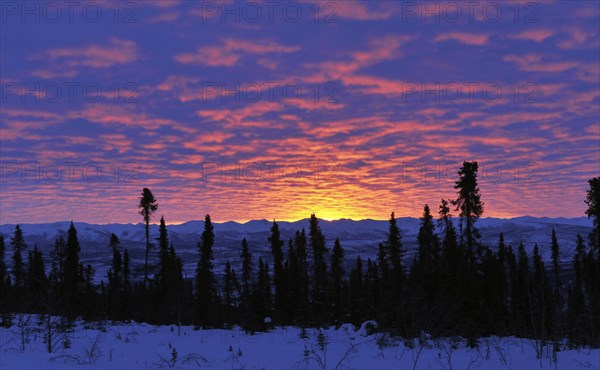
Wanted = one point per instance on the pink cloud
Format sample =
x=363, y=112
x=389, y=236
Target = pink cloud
x=247, y=116
x=96, y=56
x=114, y=115
x=118, y=142
x=536, y=63
x=232, y=51
x=464, y=38
x=314, y=105
x=163, y=3
x=578, y=39
x=537, y=35
x=359, y=11
x=164, y=17
x=378, y=50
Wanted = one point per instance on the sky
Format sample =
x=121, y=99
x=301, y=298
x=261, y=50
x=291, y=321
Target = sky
x=278, y=109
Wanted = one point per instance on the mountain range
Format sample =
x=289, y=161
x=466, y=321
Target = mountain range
x=358, y=237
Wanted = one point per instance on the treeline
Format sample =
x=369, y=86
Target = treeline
x=454, y=285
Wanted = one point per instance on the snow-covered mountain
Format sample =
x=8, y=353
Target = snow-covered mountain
x=357, y=237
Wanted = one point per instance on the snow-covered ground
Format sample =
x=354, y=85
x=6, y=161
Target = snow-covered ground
x=143, y=346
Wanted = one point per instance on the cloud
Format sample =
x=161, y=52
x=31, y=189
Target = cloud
x=252, y=115
x=106, y=114
x=378, y=50
x=95, y=56
x=464, y=38
x=578, y=39
x=231, y=51
x=356, y=10
x=537, y=63
x=537, y=35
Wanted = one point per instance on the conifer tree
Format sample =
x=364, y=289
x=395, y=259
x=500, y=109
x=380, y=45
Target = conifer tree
x=115, y=278
x=147, y=206
x=577, y=312
x=3, y=269
x=278, y=278
x=522, y=293
x=4, y=287
x=557, y=301
x=177, y=293
x=337, y=276
x=428, y=242
x=262, y=294
x=36, y=278
x=18, y=244
x=58, y=258
x=449, y=243
x=318, y=248
x=166, y=268
x=468, y=202
x=302, y=271
x=125, y=297
x=72, y=275
x=88, y=300
x=593, y=202
x=229, y=291
x=540, y=299
x=356, y=292
x=246, y=272
x=206, y=293
x=393, y=248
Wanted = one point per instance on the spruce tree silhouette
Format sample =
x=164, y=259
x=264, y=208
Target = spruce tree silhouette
x=468, y=203
x=147, y=206
x=593, y=211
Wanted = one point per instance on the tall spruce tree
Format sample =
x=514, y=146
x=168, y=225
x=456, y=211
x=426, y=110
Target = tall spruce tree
x=279, y=275
x=36, y=278
x=337, y=277
x=522, y=293
x=425, y=270
x=3, y=269
x=126, y=292
x=393, y=248
x=165, y=272
x=72, y=276
x=557, y=301
x=147, y=206
x=593, y=202
x=540, y=299
x=18, y=244
x=206, y=290
x=356, y=292
x=115, y=278
x=577, y=311
x=318, y=248
x=468, y=202
x=262, y=293
x=428, y=241
x=246, y=272
x=4, y=287
x=229, y=294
